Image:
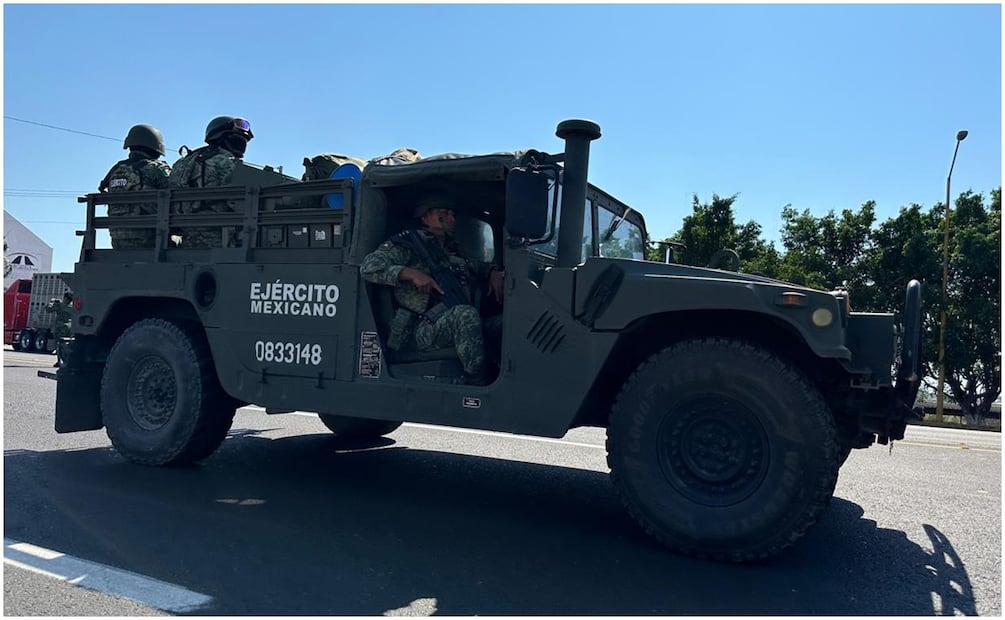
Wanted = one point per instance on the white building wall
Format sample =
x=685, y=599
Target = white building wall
x=26, y=252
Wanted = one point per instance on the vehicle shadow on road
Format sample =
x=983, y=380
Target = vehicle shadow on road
x=308, y=526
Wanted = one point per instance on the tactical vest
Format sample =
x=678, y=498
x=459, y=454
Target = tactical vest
x=136, y=164
x=201, y=155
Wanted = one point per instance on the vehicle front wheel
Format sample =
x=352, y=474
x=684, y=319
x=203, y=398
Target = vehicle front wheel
x=161, y=401
x=721, y=450
x=346, y=427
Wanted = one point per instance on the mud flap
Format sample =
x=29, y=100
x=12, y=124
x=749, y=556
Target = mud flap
x=78, y=405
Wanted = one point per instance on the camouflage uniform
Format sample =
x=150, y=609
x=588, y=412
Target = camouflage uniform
x=460, y=327
x=138, y=172
x=61, y=327
x=209, y=166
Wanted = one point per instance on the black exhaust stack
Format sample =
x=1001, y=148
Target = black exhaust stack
x=577, y=135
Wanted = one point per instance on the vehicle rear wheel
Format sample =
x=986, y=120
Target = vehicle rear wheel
x=27, y=340
x=42, y=341
x=346, y=427
x=161, y=401
x=721, y=450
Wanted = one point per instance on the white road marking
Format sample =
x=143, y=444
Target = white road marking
x=38, y=552
x=33, y=569
x=101, y=578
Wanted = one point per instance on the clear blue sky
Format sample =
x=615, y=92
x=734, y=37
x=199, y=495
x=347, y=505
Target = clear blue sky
x=819, y=106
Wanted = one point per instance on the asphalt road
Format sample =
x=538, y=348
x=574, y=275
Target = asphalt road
x=284, y=519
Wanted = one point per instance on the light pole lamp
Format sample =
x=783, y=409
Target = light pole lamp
x=960, y=136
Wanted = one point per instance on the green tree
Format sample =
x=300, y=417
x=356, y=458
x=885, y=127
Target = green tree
x=973, y=312
x=712, y=227
x=826, y=252
x=877, y=265
x=910, y=246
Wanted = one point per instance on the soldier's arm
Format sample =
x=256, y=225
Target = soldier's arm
x=385, y=264
x=388, y=265
x=157, y=176
x=103, y=185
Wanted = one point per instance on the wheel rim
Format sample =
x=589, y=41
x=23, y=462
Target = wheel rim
x=713, y=451
x=151, y=393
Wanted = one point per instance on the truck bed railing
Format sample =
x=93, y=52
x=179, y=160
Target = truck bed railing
x=291, y=215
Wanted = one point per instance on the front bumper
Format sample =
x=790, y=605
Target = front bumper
x=880, y=402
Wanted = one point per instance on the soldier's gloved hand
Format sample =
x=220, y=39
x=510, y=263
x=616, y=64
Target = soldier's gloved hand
x=496, y=279
x=422, y=280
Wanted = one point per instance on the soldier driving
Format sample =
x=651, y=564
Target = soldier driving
x=435, y=290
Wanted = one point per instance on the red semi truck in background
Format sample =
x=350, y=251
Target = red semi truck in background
x=27, y=326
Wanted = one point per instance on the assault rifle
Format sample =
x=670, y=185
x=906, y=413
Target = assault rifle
x=454, y=293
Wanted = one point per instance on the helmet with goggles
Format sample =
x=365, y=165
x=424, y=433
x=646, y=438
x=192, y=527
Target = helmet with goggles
x=223, y=125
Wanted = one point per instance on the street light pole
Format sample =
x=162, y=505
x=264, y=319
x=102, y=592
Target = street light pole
x=960, y=136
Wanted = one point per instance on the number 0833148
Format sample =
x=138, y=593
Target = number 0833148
x=288, y=353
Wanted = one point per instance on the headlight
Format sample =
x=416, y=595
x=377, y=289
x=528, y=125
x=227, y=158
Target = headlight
x=822, y=317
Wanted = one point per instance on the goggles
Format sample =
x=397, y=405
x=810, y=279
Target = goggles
x=244, y=127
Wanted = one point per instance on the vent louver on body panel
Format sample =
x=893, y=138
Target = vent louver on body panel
x=547, y=333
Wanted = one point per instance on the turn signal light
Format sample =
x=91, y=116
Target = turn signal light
x=791, y=298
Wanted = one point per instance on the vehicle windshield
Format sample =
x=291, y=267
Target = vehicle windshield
x=611, y=229
x=619, y=237
x=620, y=231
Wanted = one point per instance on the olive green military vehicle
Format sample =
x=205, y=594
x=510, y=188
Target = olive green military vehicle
x=730, y=400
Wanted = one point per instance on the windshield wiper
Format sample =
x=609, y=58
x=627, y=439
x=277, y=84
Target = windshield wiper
x=613, y=227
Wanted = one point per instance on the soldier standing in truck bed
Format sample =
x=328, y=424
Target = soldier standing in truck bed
x=142, y=170
x=211, y=166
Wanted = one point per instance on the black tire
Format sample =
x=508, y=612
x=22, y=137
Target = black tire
x=161, y=401
x=15, y=342
x=42, y=341
x=721, y=450
x=843, y=453
x=346, y=427
x=26, y=338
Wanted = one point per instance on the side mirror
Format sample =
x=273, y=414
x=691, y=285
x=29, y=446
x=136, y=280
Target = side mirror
x=527, y=203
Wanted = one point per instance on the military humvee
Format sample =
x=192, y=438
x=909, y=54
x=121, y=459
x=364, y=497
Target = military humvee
x=730, y=400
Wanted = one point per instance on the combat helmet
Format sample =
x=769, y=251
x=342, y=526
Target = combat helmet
x=432, y=201
x=146, y=136
x=222, y=125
